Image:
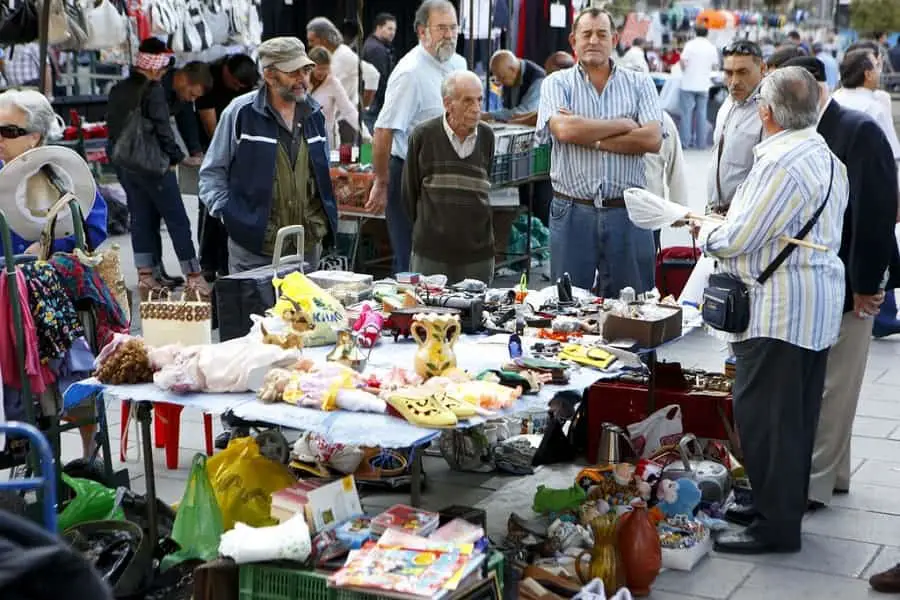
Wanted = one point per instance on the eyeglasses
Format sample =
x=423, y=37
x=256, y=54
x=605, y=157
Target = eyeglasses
x=12, y=132
x=445, y=29
x=742, y=48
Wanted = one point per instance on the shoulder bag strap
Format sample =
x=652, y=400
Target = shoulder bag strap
x=783, y=255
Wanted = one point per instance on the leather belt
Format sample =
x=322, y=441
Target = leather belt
x=605, y=203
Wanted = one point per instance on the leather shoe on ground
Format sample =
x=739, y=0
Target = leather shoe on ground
x=814, y=505
x=743, y=542
x=840, y=491
x=740, y=514
x=887, y=582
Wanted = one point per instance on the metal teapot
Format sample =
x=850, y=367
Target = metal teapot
x=711, y=477
x=615, y=446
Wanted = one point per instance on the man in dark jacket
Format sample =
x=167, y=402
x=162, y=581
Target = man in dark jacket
x=379, y=51
x=869, y=252
x=151, y=197
x=268, y=164
x=521, y=80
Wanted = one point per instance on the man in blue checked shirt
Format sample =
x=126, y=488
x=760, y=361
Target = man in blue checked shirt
x=602, y=120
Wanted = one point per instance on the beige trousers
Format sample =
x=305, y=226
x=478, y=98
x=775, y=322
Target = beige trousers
x=843, y=381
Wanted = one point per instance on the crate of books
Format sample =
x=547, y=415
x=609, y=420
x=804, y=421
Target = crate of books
x=513, y=154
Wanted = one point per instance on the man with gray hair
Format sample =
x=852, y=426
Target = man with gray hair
x=446, y=183
x=320, y=32
x=268, y=163
x=796, y=187
x=413, y=95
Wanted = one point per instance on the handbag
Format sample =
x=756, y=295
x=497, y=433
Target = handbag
x=137, y=148
x=76, y=21
x=20, y=25
x=165, y=321
x=726, y=299
x=192, y=33
x=107, y=27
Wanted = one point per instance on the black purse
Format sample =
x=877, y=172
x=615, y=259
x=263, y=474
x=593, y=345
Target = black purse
x=726, y=299
x=20, y=24
x=137, y=149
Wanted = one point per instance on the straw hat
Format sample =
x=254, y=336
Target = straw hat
x=34, y=181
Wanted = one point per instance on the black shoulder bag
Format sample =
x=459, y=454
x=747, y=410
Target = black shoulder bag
x=726, y=299
x=137, y=149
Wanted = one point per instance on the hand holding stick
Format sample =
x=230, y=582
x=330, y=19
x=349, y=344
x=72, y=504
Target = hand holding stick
x=784, y=238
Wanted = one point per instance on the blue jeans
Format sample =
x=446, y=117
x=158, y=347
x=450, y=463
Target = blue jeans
x=150, y=198
x=693, y=119
x=398, y=224
x=586, y=242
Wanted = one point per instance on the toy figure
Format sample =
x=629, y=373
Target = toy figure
x=368, y=326
x=679, y=497
x=347, y=352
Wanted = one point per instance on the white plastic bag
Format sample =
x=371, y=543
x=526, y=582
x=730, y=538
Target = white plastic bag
x=662, y=428
x=107, y=27
x=693, y=290
x=217, y=21
x=163, y=17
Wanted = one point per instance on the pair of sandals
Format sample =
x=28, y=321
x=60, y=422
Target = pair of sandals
x=148, y=285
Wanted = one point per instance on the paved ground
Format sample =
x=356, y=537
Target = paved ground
x=843, y=544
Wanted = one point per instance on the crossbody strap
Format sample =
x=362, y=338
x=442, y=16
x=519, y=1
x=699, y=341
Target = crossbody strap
x=783, y=255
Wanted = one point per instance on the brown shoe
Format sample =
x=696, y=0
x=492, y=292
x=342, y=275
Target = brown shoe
x=196, y=285
x=887, y=582
x=148, y=284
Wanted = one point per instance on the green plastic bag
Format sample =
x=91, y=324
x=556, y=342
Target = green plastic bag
x=198, y=523
x=92, y=502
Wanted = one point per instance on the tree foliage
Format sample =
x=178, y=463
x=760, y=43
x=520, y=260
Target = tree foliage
x=867, y=16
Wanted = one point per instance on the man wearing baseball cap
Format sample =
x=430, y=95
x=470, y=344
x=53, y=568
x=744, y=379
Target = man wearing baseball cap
x=268, y=163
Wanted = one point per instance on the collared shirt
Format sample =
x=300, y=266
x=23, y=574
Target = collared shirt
x=665, y=169
x=802, y=302
x=868, y=101
x=345, y=68
x=464, y=148
x=581, y=171
x=337, y=106
x=413, y=94
x=738, y=130
x=22, y=67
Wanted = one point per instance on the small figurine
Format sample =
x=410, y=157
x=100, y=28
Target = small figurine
x=368, y=326
x=298, y=319
x=290, y=341
x=346, y=351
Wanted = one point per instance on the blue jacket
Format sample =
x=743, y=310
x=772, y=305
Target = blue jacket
x=95, y=231
x=238, y=172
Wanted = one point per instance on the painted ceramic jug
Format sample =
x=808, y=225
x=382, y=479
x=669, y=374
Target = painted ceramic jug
x=435, y=334
x=605, y=564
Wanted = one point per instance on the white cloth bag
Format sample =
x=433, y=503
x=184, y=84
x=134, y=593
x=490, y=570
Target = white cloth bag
x=662, y=428
x=107, y=27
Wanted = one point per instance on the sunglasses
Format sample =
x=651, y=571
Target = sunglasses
x=12, y=132
x=742, y=48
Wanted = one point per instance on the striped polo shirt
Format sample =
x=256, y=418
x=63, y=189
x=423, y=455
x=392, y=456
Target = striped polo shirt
x=583, y=172
x=803, y=301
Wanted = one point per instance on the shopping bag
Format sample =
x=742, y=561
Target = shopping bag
x=692, y=293
x=198, y=523
x=165, y=321
x=92, y=502
x=325, y=313
x=662, y=428
x=244, y=480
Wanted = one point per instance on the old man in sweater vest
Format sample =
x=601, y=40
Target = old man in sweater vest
x=446, y=182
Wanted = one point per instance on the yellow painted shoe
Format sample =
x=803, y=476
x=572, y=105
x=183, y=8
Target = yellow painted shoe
x=585, y=355
x=460, y=408
x=421, y=408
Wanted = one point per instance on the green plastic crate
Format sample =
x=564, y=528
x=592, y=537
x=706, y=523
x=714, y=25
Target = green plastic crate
x=541, y=163
x=287, y=581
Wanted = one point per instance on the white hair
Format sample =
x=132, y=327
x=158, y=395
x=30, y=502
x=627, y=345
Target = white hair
x=793, y=95
x=448, y=86
x=325, y=30
x=40, y=117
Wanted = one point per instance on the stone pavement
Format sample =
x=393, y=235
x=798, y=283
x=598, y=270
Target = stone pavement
x=842, y=546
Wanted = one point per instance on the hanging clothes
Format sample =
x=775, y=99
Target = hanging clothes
x=475, y=19
x=83, y=283
x=8, y=346
x=54, y=315
x=538, y=39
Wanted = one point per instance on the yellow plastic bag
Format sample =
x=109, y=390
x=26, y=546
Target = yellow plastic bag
x=244, y=481
x=326, y=313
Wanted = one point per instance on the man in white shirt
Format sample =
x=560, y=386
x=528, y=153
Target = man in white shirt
x=413, y=95
x=698, y=60
x=344, y=61
x=634, y=58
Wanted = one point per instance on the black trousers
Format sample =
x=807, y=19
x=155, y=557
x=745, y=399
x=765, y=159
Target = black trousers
x=543, y=195
x=777, y=396
x=212, y=239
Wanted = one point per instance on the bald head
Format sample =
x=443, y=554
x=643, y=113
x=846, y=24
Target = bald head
x=459, y=81
x=559, y=61
x=463, y=95
x=505, y=68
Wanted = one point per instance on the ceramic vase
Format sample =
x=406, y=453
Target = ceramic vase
x=639, y=549
x=604, y=564
x=435, y=334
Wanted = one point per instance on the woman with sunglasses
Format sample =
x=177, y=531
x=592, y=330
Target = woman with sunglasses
x=27, y=120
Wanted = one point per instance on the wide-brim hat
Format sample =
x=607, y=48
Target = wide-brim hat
x=27, y=190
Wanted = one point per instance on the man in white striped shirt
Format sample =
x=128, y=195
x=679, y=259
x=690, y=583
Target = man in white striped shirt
x=795, y=315
x=602, y=119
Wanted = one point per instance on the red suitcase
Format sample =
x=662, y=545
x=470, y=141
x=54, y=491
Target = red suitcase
x=673, y=268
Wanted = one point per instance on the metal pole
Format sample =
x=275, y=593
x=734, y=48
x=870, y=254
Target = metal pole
x=471, y=33
x=44, y=40
x=359, y=76
x=487, y=76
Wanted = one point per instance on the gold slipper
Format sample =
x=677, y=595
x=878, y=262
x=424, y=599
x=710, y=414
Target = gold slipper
x=421, y=408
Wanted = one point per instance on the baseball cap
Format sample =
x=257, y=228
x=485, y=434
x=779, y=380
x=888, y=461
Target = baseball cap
x=814, y=66
x=287, y=54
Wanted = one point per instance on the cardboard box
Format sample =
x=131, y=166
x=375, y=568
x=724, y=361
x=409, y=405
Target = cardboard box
x=648, y=334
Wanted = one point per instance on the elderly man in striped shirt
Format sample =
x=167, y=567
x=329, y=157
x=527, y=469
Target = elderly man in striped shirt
x=795, y=315
x=602, y=120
